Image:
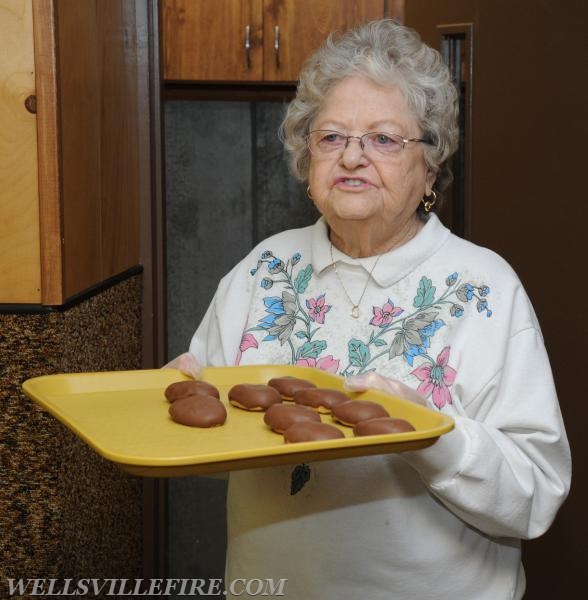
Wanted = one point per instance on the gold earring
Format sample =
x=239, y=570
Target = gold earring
x=308, y=193
x=428, y=204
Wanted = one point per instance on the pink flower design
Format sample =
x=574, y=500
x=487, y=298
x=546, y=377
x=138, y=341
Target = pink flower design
x=437, y=379
x=383, y=316
x=326, y=363
x=247, y=341
x=317, y=309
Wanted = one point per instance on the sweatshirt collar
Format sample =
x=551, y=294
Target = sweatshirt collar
x=395, y=264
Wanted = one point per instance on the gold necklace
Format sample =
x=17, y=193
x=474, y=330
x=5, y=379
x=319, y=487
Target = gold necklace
x=354, y=307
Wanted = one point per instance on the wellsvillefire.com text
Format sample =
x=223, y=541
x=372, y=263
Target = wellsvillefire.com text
x=38, y=587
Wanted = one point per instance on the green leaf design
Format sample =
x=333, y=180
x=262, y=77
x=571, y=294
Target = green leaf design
x=380, y=342
x=289, y=302
x=301, y=334
x=312, y=349
x=413, y=337
x=359, y=353
x=397, y=346
x=416, y=323
x=425, y=294
x=421, y=320
x=302, y=279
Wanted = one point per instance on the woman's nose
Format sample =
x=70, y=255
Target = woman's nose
x=353, y=154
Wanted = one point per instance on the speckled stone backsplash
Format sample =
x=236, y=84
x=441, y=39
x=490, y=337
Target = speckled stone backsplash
x=64, y=511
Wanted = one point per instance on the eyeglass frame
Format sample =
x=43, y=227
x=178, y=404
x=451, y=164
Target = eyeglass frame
x=360, y=139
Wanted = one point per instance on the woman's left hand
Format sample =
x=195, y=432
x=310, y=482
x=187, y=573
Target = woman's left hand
x=360, y=383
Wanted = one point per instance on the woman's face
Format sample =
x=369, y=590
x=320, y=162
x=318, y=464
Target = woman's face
x=352, y=187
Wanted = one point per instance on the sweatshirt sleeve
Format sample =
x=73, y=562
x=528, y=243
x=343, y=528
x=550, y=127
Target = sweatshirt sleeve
x=505, y=468
x=216, y=340
x=206, y=344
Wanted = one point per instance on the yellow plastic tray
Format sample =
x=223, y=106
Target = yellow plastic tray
x=123, y=415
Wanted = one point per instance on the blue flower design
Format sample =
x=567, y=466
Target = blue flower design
x=275, y=266
x=274, y=305
x=281, y=317
x=266, y=283
x=482, y=305
x=465, y=292
x=405, y=342
x=451, y=279
x=412, y=350
x=429, y=331
x=456, y=310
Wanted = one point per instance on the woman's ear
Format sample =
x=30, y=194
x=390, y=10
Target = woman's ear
x=430, y=181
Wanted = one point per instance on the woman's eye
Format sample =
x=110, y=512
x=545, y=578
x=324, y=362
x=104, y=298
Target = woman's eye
x=385, y=142
x=332, y=138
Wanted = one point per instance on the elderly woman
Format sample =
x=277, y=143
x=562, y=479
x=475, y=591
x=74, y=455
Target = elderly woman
x=379, y=291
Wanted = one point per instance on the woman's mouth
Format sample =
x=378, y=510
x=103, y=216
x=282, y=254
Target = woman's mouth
x=352, y=182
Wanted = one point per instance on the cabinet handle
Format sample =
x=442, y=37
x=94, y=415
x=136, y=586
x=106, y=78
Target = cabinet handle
x=247, y=47
x=277, y=45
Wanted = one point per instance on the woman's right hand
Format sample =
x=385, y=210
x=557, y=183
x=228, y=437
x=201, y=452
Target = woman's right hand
x=185, y=363
x=361, y=383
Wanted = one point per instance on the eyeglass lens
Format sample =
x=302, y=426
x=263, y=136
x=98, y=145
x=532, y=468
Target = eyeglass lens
x=323, y=142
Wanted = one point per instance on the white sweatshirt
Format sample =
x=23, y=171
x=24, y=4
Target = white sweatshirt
x=445, y=317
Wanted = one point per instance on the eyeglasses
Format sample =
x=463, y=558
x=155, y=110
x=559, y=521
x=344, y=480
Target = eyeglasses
x=325, y=143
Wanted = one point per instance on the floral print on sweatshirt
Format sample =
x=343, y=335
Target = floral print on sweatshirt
x=406, y=333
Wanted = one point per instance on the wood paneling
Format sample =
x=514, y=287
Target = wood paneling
x=48, y=148
x=76, y=181
x=151, y=178
x=122, y=139
x=79, y=80
x=528, y=148
x=100, y=149
x=20, y=277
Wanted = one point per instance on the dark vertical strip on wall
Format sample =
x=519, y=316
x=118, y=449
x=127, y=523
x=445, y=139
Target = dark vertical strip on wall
x=282, y=200
x=254, y=176
x=208, y=206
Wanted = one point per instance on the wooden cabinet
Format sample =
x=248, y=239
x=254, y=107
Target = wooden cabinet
x=74, y=147
x=19, y=213
x=252, y=40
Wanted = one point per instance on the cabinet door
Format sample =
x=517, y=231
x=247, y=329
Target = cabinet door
x=212, y=41
x=293, y=29
x=20, y=277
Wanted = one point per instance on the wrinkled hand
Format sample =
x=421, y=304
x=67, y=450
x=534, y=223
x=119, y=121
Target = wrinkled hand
x=185, y=363
x=360, y=383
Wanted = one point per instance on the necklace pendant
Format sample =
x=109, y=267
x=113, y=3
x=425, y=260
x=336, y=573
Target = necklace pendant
x=355, y=312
